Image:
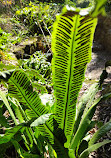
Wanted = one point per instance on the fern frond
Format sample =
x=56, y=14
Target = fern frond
x=71, y=45
x=21, y=88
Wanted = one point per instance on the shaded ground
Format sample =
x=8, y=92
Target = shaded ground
x=97, y=64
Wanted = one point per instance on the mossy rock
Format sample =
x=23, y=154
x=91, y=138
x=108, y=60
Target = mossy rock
x=25, y=49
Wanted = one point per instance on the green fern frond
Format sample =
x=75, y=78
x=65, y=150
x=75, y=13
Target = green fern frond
x=71, y=45
x=57, y=138
x=21, y=88
x=30, y=114
x=10, y=133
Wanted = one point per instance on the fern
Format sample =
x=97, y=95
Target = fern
x=71, y=45
x=21, y=88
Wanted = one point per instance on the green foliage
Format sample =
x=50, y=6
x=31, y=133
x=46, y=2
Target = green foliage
x=84, y=3
x=39, y=70
x=68, y=45
x=5, y=75
x=13, y=30
x=35, y=15
x=22, y=130
x=70, y=3
x=108, y=6
x=4, y=38
x=63, y=126
x=38, y=61
x=93, y=147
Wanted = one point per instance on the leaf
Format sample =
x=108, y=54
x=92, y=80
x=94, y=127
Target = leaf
x=71, y=45
x=10, y=133
x=4, y=99
x=41, y=88
x=83, y=146
x=85, y=122
x=92, y=148
x=32, y=72
x=6, y=67
x=30, y=114
x=51, y=151
x=99, y=8
x=17, y=109
x=85, y=101
x=58, y=137
x=18, y=148
x=101, y=132
x=5, y=75
x=22, y=152
x=28, y=155
x=41, y=120
x=107, y=96
x=21, y=88
x=1, y=103
x=3, y=121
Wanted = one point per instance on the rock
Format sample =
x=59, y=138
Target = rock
x=103, y=32
x=97, y=47
x=30, y=46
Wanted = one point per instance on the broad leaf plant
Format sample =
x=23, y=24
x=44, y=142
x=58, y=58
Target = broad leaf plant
x=64, y=127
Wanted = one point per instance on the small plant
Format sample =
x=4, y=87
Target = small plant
x=38, y=61
x=39, y=70
x=61, y=130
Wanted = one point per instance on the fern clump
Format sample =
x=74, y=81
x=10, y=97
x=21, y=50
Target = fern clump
x=64, y=127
